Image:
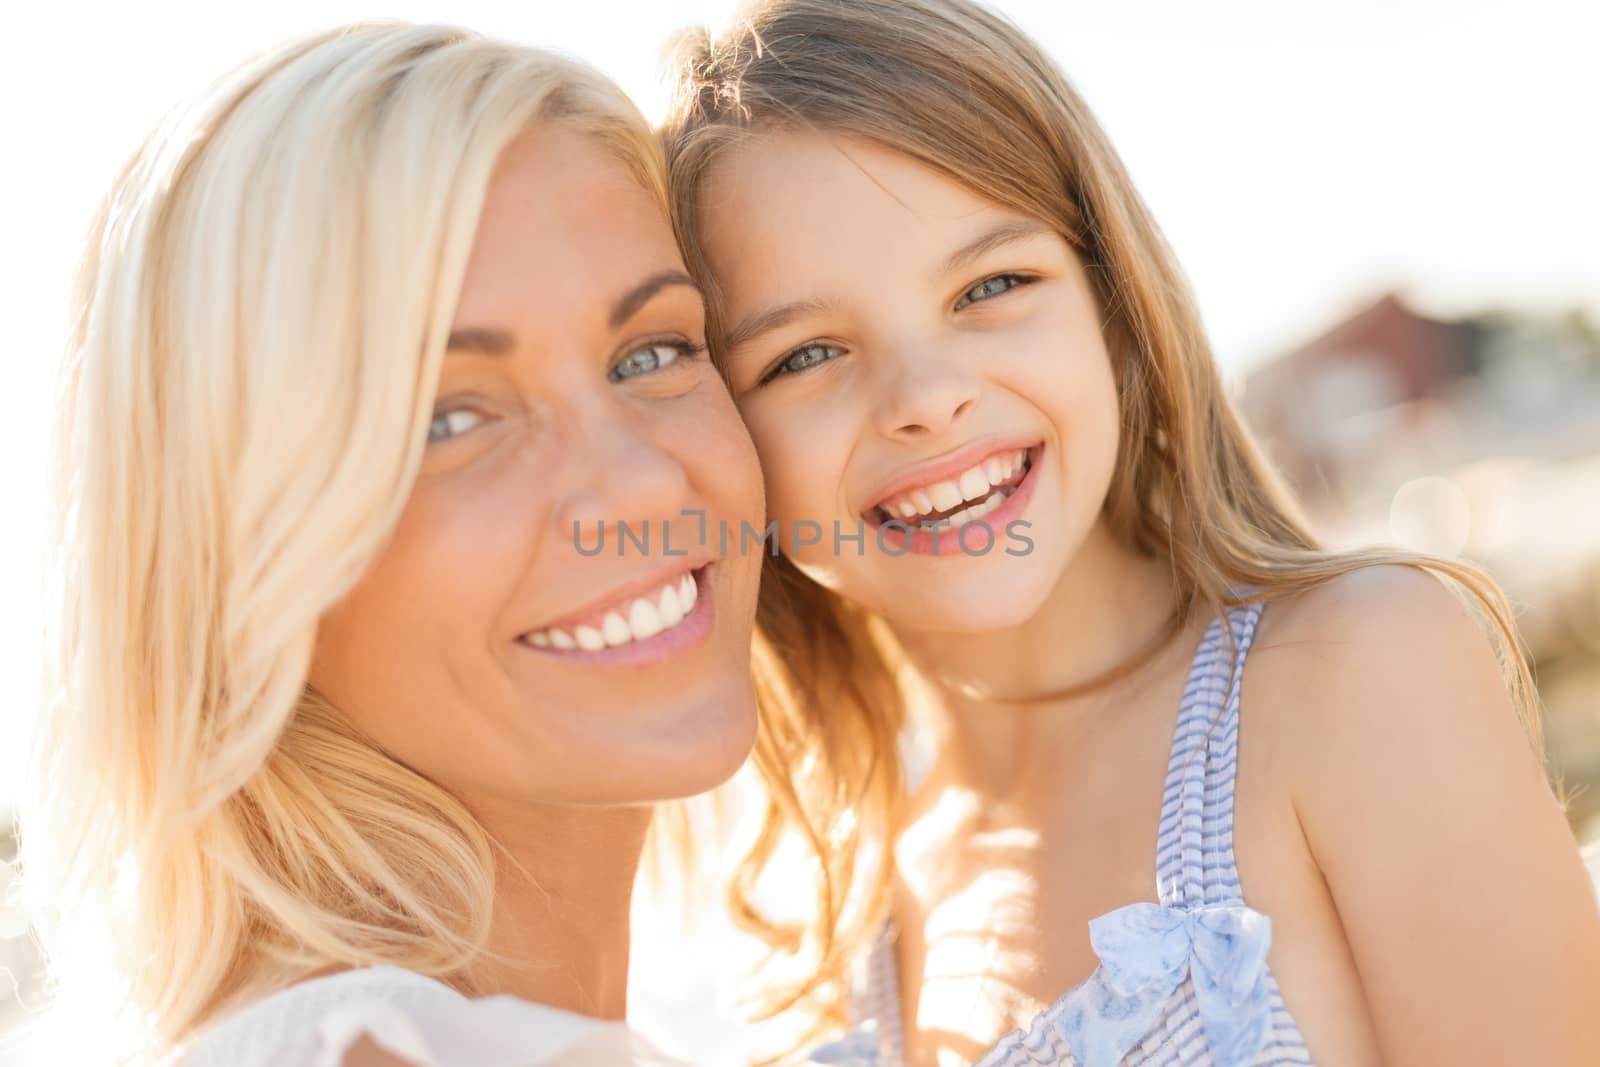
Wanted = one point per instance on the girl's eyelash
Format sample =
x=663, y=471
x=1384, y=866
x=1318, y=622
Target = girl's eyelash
x=1017, y=282
x=777, y=369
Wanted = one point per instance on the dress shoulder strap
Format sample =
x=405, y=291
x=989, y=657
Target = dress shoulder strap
x=1194, y=850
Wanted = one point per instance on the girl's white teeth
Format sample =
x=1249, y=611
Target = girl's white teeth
x=976, y=483
x=946, y=495
x=645, y=618
x=978, y=511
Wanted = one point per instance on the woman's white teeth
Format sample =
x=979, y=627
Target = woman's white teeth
x=669, y=607
x=615, y=630
x=644, y=617
x=986, y=483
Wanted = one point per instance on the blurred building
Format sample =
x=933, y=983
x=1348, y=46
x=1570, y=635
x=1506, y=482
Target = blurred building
x=1475, y=438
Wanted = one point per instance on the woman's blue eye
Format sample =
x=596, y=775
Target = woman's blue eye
x=652, y=357
x=987, y=288
x=448, y=424
x=804, y=358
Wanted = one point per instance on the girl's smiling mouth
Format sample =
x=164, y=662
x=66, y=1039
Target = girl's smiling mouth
x=925, y=511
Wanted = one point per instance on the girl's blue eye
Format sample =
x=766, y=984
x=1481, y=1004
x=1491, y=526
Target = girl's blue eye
x=448, y=424
x=652, y=357
x=989, y=287
x=804, y=358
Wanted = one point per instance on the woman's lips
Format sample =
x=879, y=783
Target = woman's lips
x=647, y=629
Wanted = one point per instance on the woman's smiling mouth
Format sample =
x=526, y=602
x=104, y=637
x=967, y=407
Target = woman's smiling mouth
x=670, y=615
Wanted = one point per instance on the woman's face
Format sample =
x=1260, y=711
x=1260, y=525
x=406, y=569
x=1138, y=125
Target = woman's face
x=491, y=646
x=900, y=346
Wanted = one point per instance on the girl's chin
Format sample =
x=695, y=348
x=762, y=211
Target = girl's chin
x=965, y=608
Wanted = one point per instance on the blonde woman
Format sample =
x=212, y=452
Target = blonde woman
x=356, y=731
x=1202, y=791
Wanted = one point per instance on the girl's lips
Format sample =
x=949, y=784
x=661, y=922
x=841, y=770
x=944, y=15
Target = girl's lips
x=692, y=630
x=946, y=540
x=949, y=469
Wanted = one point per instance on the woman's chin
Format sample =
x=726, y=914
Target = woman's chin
x=699, y=745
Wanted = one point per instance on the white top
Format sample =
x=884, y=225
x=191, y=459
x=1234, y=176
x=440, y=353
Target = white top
x=424, y=1021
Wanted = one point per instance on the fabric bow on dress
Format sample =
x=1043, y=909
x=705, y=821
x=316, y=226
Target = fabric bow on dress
x=1145, y=950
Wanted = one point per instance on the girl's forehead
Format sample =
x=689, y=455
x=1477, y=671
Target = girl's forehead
x=818, y=163
x=819, y=197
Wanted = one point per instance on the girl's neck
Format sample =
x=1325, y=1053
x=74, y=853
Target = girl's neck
x=1109, y=605
x=563, y=894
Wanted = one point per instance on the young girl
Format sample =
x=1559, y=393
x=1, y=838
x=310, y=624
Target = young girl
x=357, y=733
x=1201, y=791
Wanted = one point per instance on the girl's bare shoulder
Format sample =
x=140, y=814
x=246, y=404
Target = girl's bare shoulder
x=1370, y=654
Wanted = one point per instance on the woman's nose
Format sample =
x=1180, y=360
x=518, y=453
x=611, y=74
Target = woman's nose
x=626, y=477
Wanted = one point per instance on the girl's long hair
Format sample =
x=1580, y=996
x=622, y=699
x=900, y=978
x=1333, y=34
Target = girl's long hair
x=259, y=321
x=962, y=91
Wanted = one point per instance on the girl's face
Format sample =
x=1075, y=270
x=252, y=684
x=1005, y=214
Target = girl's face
x=900, y=346
x=490, y=646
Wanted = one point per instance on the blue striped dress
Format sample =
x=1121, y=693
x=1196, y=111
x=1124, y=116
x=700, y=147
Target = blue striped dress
x=1182, y=983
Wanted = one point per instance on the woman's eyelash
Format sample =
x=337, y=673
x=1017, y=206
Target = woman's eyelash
x=993, y=286
x=643, y=368
x=453, y=422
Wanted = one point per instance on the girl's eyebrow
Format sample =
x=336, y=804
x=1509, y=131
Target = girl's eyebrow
x=752, y=326
x=1003, y=234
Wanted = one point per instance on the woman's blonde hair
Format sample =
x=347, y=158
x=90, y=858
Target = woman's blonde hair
x=962, y=91
x=259, y=322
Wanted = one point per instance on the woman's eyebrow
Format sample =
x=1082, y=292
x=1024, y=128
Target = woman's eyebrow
x=488, y=342
x=481, y=341
x=1003, y=234
x=629, y=303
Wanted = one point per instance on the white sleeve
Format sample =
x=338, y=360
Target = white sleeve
x=492, y=1032
x=418, y=1020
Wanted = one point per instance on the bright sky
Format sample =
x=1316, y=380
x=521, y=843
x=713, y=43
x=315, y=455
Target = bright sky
x=1299, y=159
